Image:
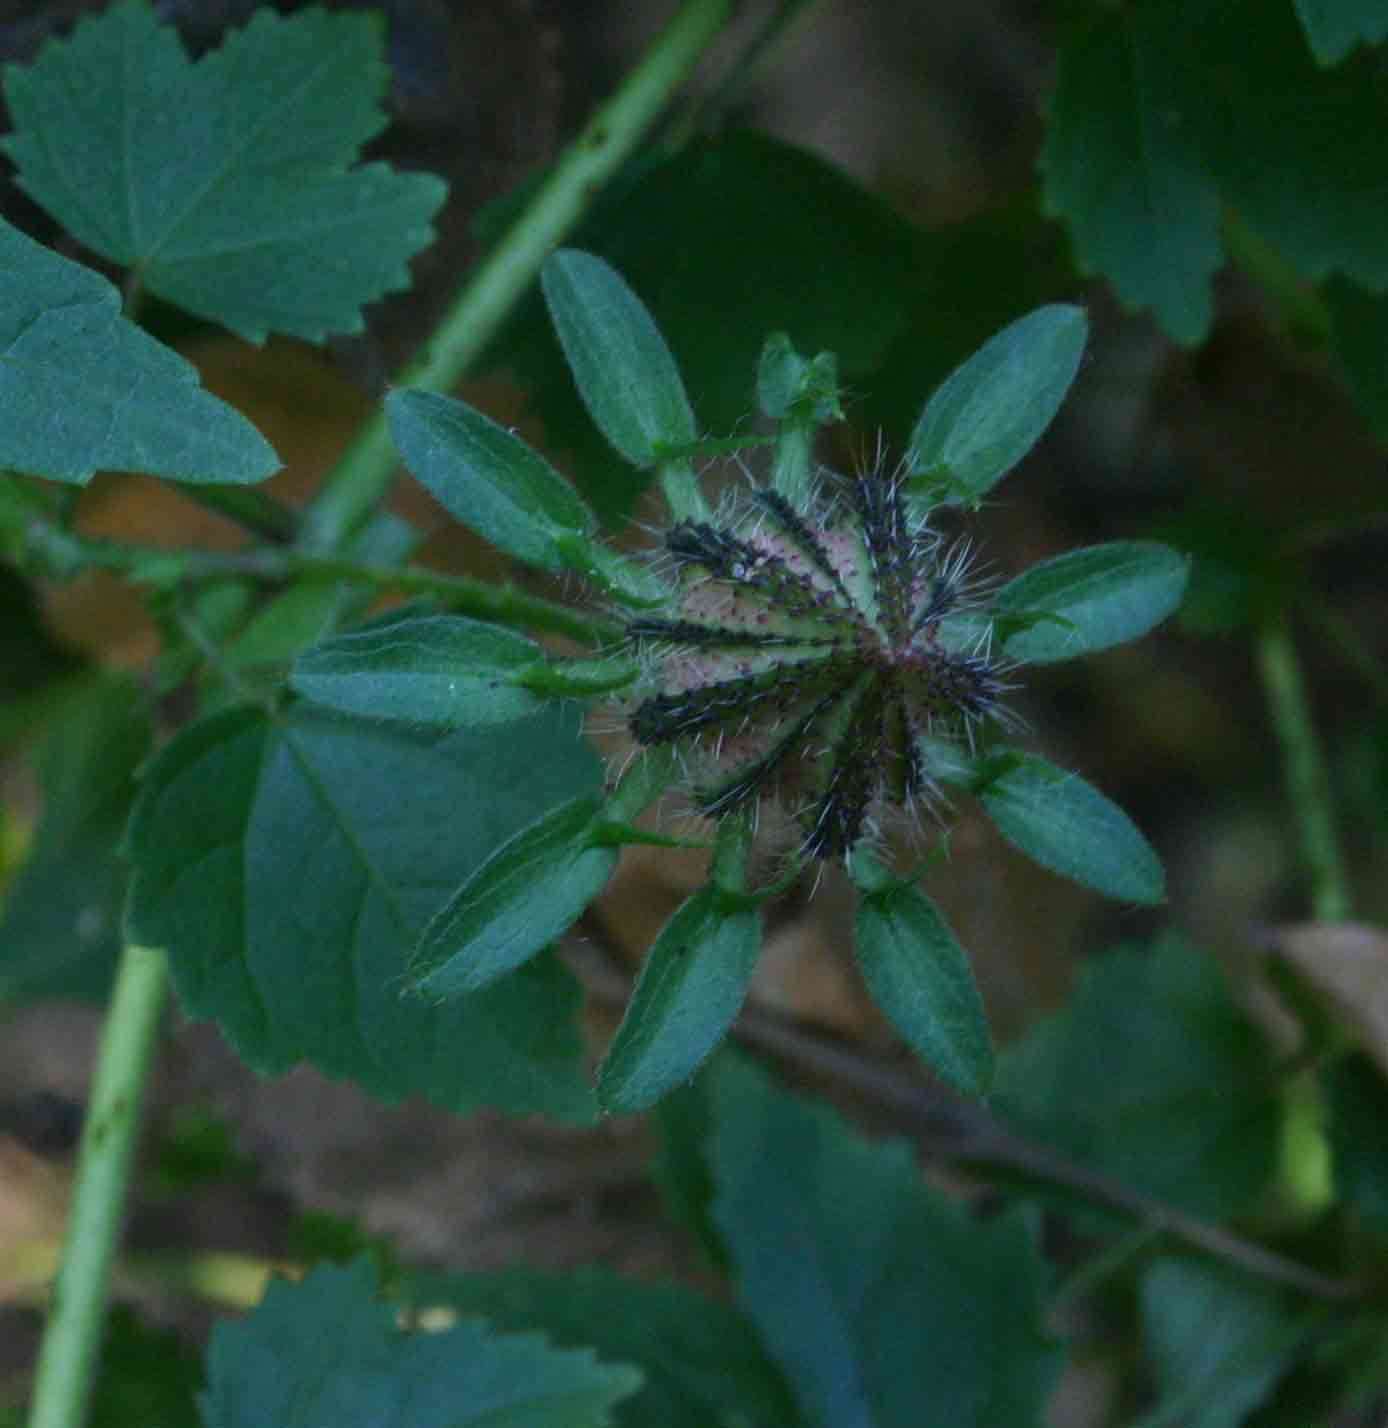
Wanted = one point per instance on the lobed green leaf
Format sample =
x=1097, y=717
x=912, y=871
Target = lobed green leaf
x=1088, y=600
x=225, y=182
x=920, y=976
x=1217, y=1341
x=701, y=1362
x=852, y=1267
x=691, y=987
x=625, y=373
x=1065, y=824
x=992, y=410
x=85, y=390
x=532, y=889
x=288, y=904
x=1124, y=170
x=1182, y=1107
x=325, y=1353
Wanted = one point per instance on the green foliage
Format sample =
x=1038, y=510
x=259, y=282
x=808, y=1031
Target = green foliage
x=1169, y=111
x=919, y=975
x=148, y=1375
x=1152, y=1074
x=992, y=410
x=625, y=373
x=532, y=889
x=1334, y=27
x=226, y=181
x=1088, y=600
x=327, y=1354
x=1068, y=826
x=60, y=918
x=699, y=1359
x=714, y=239
x=244, y=819
x=691, y=986
x=852, y=1268
x=363, y=838
x=1217, y=1343
x=1123, y=167
x=86, y=389
x=443, y=670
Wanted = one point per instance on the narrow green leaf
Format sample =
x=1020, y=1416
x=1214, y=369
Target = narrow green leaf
x=225, y=182
x=1334, y=27
x=691, y=986
x=920, y=976
x=852, y=1268
x=700, y=1358
x=1088, y=600
x=1217, y=1340
x=1124, y=170
x=325, y=1353
x=992, y=410
x=625, y=374
x=433, y=669
x=532, y=889
x=84, y=390
x=486, y=477
x=1182, y=1110
x=288, y=867
x=1068, y=826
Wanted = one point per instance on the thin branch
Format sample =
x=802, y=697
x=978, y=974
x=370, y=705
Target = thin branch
x=957, y=1129
x=356, y=484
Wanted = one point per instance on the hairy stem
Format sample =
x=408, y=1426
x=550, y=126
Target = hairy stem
x=501, y=604
x=72, y=1338
x=1308, y=785
x=357, y=483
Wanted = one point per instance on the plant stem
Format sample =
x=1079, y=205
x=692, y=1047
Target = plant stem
x=502, y=604
x=68, y=1358
x=1308, y=785
x=357, y=483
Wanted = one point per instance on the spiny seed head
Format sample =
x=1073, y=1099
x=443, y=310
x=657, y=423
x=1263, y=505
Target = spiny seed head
x=808, y=654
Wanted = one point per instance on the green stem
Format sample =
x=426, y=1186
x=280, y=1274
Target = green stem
x=357, y=483
x=683, y=495
x=793, y=464
x=1308, y=784
x=72, y=1338
x=67, y=554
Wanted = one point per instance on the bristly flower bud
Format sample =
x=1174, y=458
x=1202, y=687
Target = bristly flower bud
x=810, y=653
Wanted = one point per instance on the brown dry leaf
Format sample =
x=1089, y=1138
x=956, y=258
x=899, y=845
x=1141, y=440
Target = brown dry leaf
x=1348, y=963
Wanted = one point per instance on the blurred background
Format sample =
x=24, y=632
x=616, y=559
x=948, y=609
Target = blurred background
x=870, y=186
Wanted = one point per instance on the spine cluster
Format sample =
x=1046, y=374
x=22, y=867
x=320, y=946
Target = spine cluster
x=807, y=654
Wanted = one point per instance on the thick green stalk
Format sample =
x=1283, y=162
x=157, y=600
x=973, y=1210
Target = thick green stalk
x=1308, y=785
x=357, y=483
x=72, y=1339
